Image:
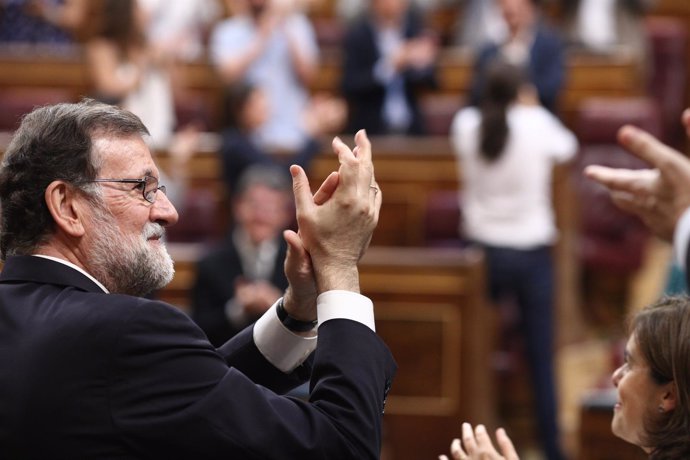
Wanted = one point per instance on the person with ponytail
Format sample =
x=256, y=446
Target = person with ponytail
x=507, y=147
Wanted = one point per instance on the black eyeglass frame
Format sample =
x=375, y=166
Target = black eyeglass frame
x=144, y=191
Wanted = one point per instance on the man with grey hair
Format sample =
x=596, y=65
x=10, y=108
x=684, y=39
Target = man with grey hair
x=89, y=370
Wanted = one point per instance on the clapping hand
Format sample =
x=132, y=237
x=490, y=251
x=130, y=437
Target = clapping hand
x=478, y=446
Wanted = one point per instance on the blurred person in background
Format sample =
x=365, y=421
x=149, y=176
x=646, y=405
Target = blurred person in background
x=507, y=148
x=530, y=44
x=272, y=45
x=480, y=23
x=237, y=282
x=41, y=21
x=246, y=109
x=605, y=26
x=388, y=57
x=129, y=72
x=180, y=28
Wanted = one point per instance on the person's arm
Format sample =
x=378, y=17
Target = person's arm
x=658, y=196
x=302, y=47
x=102, y=61
x=233, y=55
x=69, y=15
x=478, y=446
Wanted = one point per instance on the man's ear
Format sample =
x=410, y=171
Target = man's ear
x=66, y=206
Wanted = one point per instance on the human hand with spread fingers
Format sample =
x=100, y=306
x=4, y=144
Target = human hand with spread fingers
x=478, y=446
x=658, y=195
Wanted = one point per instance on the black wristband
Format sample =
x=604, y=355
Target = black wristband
x=295, y=325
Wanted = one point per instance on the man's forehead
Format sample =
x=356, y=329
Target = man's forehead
x=123, y=155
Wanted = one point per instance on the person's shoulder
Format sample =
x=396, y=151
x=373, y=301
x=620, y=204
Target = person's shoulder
x=532, y=113
x=141, y=314
x=105, y=313
x=464, y=129
x=466, y=118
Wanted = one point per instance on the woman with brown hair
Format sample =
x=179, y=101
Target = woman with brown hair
x=653, y=387
x=128, y=72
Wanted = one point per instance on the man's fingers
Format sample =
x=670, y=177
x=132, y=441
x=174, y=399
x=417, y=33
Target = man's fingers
x=356, y=169
x=363, y=149
x=341, y=149
x=378, y=200
x=294, y=242
x=300, y=188
x=327, y=188
x=506, y=445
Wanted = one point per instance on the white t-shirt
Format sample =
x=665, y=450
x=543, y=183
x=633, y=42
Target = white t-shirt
x=507, y=202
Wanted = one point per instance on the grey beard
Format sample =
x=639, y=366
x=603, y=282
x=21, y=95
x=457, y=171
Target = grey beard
x=128, y=264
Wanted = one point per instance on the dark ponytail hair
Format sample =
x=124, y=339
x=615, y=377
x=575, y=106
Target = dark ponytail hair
x=503, y=82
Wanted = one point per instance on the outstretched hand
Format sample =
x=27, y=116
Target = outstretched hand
x=478, y=446
x=659, y=195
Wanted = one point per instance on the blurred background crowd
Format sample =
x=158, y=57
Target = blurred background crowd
x=235, y=91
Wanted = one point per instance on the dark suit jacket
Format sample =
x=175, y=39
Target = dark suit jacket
x=90, y=375
x=215, y=285
x=546, y=67
x=365, y=95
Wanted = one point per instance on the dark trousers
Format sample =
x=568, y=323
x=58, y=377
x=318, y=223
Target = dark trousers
x=526, y=276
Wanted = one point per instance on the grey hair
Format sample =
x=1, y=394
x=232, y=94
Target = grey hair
x=52, y=143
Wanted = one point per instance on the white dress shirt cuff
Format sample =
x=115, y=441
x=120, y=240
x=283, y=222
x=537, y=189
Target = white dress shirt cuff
x=345, y=305
x=681, y=235
x=282, y=348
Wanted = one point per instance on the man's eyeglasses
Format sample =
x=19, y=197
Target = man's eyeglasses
x=148, y=186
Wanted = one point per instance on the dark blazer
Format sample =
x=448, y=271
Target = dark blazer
x=365, y=95
x=546, y=67
x=90, y=375
x=215, y=285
